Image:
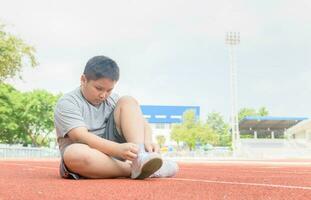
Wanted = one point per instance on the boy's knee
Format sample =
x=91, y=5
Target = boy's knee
x=77, y=156
x=125, y=100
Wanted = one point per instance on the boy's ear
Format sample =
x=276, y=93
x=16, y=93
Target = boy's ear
x=83, y=79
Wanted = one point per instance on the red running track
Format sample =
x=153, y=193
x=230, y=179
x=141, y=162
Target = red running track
x=213, y=180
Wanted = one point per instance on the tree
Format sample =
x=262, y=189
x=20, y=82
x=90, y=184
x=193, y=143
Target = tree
x=177, y=133
x=160, y=140
x=189, y=128
x=192, y=131
x=244, y=112
x=9, y=124
x=26, y=118
x=36, y=119
x=263, y=111
x=207, y=135
x=13, y=52
x=216, y=122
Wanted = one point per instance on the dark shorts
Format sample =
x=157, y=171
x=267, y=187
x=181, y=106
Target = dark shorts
x=111, y=133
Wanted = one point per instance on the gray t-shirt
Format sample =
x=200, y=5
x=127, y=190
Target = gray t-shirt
x=73, y=110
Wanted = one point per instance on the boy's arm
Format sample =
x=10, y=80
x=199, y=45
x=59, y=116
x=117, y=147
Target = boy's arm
x=126, y=151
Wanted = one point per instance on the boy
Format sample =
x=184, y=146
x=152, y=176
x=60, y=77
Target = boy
x=103, y=136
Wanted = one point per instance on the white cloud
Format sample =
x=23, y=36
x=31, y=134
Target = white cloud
x=56, y=77
x=170, y=52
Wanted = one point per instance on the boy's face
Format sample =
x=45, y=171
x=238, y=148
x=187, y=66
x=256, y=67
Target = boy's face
x=96, y=91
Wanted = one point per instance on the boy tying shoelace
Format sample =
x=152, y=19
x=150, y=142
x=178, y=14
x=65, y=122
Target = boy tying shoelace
x=102, y=135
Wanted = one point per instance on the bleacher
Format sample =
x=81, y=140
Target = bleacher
x=273, y=149
x=269, y=139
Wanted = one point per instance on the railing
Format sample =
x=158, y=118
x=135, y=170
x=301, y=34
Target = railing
x=213, y=153
x=8, y=151
x=259, y=149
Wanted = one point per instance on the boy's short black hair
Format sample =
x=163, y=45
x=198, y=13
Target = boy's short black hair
x=101, y=67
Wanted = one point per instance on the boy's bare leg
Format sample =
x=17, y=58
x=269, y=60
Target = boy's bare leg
x=129, y=120
x=91, y=163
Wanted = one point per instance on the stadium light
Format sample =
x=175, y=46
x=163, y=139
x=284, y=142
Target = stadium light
x=232, y=40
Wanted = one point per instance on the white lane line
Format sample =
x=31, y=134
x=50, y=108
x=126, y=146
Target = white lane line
x=245, y=163
x=279, y=172
x=251, y=164
x=241, y=183
x=53, y=168
x=250, y=171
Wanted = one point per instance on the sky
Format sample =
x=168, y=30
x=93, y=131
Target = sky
x=173, y=52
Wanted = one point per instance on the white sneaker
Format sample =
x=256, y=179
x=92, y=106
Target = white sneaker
x=168, y=169
x=145, y=165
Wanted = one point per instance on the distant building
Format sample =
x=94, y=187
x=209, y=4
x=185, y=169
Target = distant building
x=267, y=126
x=270, y=137
x=301, y=131
x=161, y=118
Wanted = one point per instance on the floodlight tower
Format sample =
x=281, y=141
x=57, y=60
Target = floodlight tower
x=232, y=40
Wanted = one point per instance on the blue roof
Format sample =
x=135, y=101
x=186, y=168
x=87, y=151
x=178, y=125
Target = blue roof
x=167, y=114
x=274, y=118
x=258, y=123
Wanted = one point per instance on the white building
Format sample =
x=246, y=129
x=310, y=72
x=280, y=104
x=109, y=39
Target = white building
x=301, y=131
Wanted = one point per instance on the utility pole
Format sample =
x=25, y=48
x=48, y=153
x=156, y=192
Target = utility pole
x=232, y=40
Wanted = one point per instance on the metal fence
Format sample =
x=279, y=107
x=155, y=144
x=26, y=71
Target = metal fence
x=260, y=149
x=16, y=151
x=216, y=152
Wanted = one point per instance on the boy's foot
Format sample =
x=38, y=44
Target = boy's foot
x=168, y=169
x=145, y=165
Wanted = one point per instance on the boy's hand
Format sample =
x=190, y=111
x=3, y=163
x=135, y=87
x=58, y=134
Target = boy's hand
x=152, y=147
x=127, y=151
